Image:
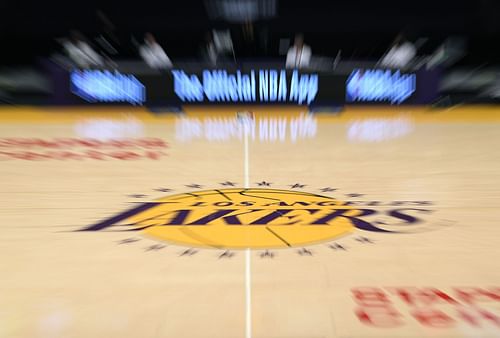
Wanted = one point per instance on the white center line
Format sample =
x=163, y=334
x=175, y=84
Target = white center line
x=248, y=295
x=248, y=272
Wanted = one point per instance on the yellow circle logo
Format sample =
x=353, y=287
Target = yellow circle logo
x=245, y=218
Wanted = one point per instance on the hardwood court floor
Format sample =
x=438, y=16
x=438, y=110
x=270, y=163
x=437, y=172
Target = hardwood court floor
x=377, y=222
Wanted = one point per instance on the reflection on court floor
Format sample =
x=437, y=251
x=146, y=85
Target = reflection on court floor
x=250, y=222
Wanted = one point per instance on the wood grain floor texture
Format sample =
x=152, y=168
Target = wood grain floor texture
x=376, y=222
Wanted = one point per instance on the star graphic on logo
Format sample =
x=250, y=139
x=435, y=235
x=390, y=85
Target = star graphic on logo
x=194, y=186
x=336, y=246
x=267, y=254
x=328, y=189
x=155, y=247
x=304, y=252
x=128, y=240
x=363, y=240
x=188, y=252
x=226, y=254
x=264, y=183
x=137, y=195
x=163, y=189
x=354, y=195
x=227, y=183
x=297, y=185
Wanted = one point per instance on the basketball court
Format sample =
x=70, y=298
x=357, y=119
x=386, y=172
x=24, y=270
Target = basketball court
x=265, y=222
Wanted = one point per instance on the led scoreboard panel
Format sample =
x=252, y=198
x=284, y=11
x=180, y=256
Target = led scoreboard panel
x=380, y=86
x=262, y=86
x=105, y=86
x=256, y=86
x=211, y=86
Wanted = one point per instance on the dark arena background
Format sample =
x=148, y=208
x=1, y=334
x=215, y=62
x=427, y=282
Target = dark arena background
x=250, y=168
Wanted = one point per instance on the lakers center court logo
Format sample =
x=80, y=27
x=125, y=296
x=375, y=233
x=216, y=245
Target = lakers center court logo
x=259, y=218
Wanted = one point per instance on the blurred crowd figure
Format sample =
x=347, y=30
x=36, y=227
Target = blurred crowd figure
x=208, y=50
x=299, y=55
x=218, y=47
x=223, y=44
x=80, y=52
x=400, y=55
x=152, y=53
